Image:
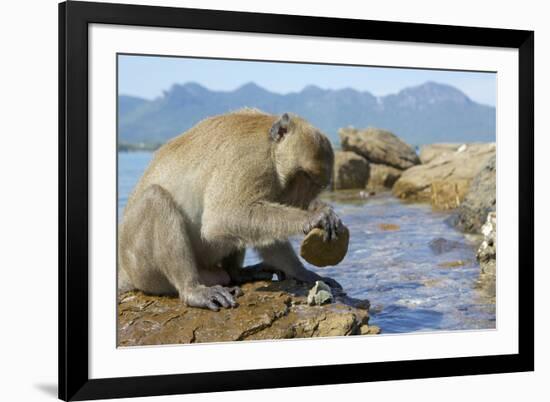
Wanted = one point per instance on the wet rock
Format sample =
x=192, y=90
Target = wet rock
x=480, y=199
x=432, y=283
x=267, y=310
x=487, y=252
x=382, y=177
x=370, y=330
x=448, y=194
x=429, y=152
x=378, y=146
x=319, y=294
x=452, y=264
x=457, y=168
x=441, y=245
x=350, y=171
x=388, y=226
x=322, y=253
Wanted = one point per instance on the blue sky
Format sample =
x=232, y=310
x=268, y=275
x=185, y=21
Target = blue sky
x=148, y=76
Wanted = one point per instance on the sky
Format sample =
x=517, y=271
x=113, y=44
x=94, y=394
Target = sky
x=148, y=76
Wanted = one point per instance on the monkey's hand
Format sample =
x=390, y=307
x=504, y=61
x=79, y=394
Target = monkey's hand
x=212, y=297
x=324, y=218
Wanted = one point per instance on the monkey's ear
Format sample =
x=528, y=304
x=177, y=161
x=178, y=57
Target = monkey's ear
x=280, y=128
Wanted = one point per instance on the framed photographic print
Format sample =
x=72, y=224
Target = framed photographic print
x=258, y=200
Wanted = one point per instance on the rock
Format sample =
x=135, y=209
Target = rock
x=350, y=171
x=382, y=177
x=388, y=226
x=441, y=245
x=322, y=253
x=457, y=168
x=370, y=330
x=487, y=256
x=319, y=294
x=267, y=310
x=487, y=252
x=432, y=151
x=479, y=200
x=432, y=283
x=379, y=146
x=452, y=264
x=448, y=194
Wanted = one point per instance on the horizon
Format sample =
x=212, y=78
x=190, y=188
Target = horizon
x=283, y=78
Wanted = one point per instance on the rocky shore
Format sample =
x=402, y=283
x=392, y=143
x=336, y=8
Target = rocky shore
x=267, y=310
x=459, y=177
x=445, y=179
x=451, y=177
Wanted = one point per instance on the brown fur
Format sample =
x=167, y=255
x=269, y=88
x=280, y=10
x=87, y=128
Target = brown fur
x=224, y=185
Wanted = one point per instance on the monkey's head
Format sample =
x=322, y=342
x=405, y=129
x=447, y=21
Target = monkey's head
x=303, y=155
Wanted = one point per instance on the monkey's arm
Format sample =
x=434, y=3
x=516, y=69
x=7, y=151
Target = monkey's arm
x=274, y=221
x=264, y=222
x=267, y=228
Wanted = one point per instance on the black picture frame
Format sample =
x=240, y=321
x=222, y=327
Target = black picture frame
x=74, y=18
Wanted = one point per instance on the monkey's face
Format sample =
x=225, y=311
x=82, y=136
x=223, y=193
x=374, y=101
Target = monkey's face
x=302, y=151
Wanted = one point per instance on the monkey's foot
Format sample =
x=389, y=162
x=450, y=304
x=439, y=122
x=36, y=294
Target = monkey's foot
x=213, y=297
x=253, y=273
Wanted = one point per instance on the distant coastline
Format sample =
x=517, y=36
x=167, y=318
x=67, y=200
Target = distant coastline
x=140, y=146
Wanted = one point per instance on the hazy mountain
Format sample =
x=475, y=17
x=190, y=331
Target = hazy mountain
x=127, y=104
x=424, y=114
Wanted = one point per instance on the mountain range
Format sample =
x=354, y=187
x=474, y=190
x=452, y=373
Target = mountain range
x=423, y=114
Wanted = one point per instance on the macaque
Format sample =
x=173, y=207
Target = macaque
x=238, y=180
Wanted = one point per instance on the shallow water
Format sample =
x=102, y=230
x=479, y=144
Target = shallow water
x=409, y=283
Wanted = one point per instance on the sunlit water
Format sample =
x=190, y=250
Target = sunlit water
x=397, y=270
